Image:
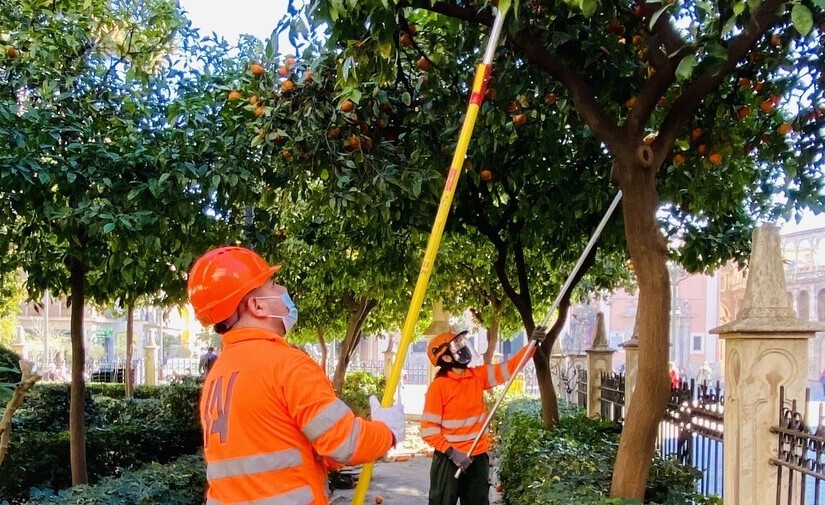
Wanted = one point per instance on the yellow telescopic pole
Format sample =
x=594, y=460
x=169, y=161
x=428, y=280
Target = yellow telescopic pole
x=476, y=98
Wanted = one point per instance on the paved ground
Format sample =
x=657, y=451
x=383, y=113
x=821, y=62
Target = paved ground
x=404, y=477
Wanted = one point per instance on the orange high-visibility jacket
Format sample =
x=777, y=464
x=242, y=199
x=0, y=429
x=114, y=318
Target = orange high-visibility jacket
x=454, y=410
x=273, y=425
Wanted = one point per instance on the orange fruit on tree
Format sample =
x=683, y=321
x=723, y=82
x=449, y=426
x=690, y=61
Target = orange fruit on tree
x=11, y=52
x=256, y=69
x=701, y=148
x=486, y=175
x=334, y=132
x=767, y=106
x=550, y=99
x=512, y=106
x=423, y=63
x=348, y=106
x=490, y=94
x=631, y=102
x=412, y=28
x=287, y=85
x=715, y=158
x=696, y=133
x=286, y=153
x=289, y=61
x=784, y=129
x=519, y=119
x=283, y=72
x=405, y=40
x=776, y=40
x=679, y=159
x=637, y=39
x=353, y=142
x=234, y=95
x=367, y=144
x=308, y=75
x=253, y=99
x=743, y=112
x=757, y=86
x=259, y=111
x=744, y=83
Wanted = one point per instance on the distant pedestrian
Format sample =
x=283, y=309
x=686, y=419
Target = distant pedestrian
x=674, y=375
x=207, y=361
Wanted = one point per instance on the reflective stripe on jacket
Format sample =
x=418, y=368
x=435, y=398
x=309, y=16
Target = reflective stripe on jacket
x=273, y=425
x=454, y=410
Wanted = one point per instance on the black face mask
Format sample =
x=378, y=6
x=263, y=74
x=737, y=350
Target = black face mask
x=462, y=357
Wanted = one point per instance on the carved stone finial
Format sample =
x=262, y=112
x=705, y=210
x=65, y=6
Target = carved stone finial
x=766, y=292
x=600, y=342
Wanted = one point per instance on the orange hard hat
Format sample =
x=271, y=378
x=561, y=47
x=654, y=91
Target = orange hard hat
x=440, y=345
x=220, y=279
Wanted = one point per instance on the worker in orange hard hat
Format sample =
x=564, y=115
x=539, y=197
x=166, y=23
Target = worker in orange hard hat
x=273, y=426
x=454, y=416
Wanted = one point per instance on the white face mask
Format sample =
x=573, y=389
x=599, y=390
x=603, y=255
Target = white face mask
x=292, y=315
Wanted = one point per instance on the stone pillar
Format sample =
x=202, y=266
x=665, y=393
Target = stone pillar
x=766, y=347
x=150, y=355
x=19, y=345
x=599, y=359
x=631, y=350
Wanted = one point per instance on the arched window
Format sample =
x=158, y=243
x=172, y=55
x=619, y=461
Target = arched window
x=804, y=306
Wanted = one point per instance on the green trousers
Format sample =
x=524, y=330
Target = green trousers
x=472, y=487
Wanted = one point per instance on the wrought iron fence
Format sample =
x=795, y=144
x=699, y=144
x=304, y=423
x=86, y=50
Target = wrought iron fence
x=105, y=370
x=410, y=374
x=611, y=396
x=800, y=458
x=692, y=432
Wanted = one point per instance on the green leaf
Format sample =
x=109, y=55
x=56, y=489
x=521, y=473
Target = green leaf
x=802, y=19
x=108, y=227
x=685, y=68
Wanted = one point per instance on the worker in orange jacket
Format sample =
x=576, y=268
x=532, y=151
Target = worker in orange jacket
x=273, y=426
x=454, y=415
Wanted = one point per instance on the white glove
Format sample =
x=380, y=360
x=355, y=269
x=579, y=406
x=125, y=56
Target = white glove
x=393, y=417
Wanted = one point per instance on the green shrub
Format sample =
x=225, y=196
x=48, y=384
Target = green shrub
x=358, y=387
x=46, y=408
x=112, y=390
x=9, y=359
x=181, y=482
x=181, y=398
x=573, y=463
x=41, y=459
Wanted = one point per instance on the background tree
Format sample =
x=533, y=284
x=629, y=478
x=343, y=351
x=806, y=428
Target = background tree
x=94, y=171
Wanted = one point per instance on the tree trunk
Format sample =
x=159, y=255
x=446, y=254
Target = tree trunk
x=319, y=331
x=648, y=250
x=77, y=404
x=492, y=337
x=359, y=309
x=130, y=340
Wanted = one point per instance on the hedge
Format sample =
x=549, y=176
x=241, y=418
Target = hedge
x=181, y=482
x=573, y=462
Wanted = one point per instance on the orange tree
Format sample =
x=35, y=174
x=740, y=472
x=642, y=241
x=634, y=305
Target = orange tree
x=110, y=180
x=709, y=113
